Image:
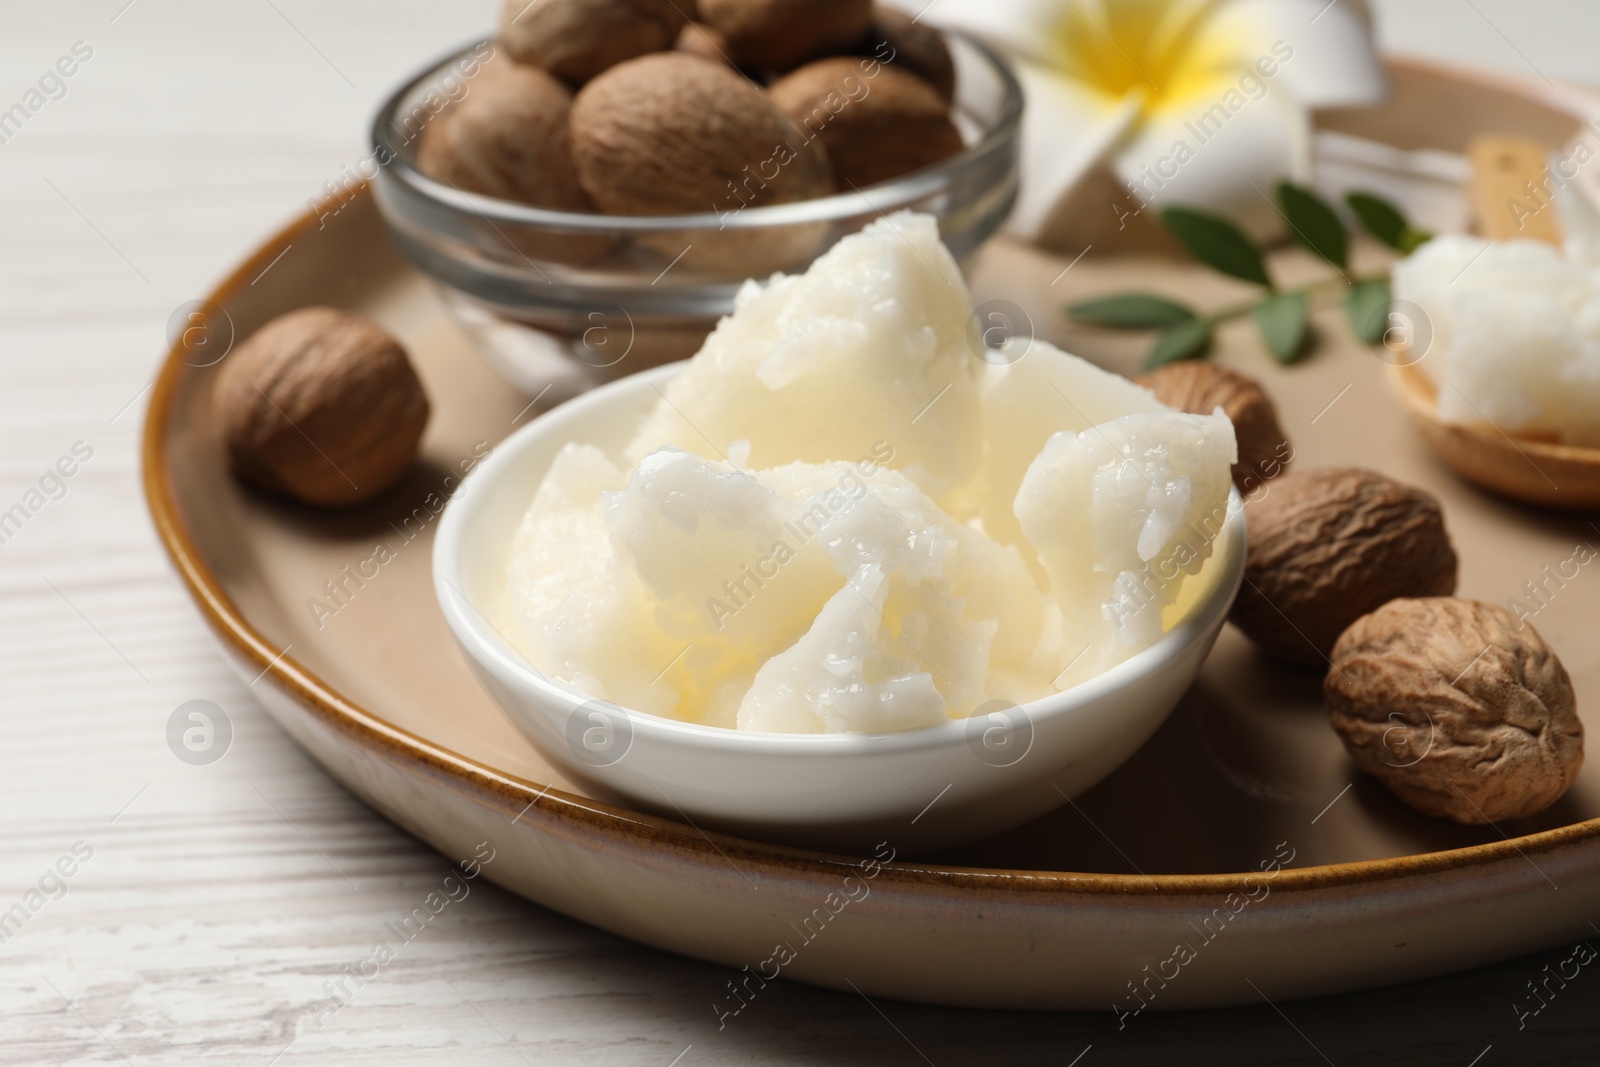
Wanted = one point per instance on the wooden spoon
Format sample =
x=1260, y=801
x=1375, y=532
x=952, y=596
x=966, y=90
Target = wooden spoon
x=1530, y=469
x=1525, y=468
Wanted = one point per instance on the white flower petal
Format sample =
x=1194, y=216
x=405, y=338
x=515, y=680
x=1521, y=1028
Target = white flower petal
x=1332, y=61
x=1121, y=78
x=1066, y=129
x=1225, y=160
x=1025, y=29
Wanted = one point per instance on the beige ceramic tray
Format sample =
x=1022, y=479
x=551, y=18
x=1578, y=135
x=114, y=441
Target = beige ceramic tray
x=1071, y=911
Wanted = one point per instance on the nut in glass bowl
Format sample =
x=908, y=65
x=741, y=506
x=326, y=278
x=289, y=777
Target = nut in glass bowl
x=545, y=318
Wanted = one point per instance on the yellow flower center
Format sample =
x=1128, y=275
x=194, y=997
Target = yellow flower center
x=1148, y=48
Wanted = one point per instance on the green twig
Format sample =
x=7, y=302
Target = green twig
x=1241, y=310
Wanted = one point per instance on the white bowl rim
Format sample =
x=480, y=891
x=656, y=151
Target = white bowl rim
x=482, y=641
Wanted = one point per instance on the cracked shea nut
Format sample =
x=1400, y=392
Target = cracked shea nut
x=321, y=405
x=1329, y=545
x=1457, y=708
x=1199, y=388
x=782, y=34
x=577, y=39
x=876, y=121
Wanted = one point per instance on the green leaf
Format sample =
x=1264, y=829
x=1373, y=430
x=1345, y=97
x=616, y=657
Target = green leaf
x=1367, y=305
x=1187, y=340
x=1386, y=222
x=1130, y=311
x=1378, y=217
x=1411, y=240
x=1282, y=322
x=1314, y=222
x=1217, y=243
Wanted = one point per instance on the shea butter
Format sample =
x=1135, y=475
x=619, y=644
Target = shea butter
x=1508, y=332
x=839, y=517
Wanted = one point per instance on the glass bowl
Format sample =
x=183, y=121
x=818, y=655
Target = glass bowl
x=567, y=299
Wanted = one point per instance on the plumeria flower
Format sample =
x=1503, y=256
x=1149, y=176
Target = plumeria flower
x=1201, y=102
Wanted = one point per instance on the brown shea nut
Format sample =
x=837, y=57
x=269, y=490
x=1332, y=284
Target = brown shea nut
x=876, y=121
x=698, y=39
x=509, y=138
x=321, y=405
x=780, y=34
x=1329, y=545
x=675, y=134
x=577, y=39
x=1200, y=388
x=1462, y=711
x=894, y=38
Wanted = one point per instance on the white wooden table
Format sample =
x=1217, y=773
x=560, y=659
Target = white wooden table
x=212, y=910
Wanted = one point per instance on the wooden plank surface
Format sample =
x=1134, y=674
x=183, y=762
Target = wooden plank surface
x=224, y=913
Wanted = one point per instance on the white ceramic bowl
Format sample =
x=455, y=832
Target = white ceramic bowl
x=916, y=789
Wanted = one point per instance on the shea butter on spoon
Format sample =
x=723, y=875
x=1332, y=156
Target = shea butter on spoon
x=839, y=517
x=1505, y=374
